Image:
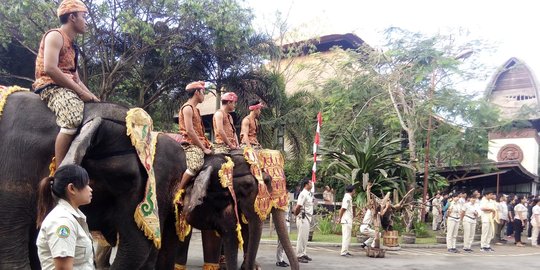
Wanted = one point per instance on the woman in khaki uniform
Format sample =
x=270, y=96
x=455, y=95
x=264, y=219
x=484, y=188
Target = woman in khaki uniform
x=64, y=241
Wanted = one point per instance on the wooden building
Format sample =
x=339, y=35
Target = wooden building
x=514, y=153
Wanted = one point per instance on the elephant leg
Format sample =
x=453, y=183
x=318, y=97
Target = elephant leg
x=278, y=217
x=169, y=244
x=134, y=248
x=182, y=251
x=16, y=223
x=254, y=239
x=211, y=249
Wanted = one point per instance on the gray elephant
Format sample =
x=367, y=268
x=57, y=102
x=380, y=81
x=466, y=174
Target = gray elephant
x=27, y=132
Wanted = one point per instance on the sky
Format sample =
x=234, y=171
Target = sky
x=512, y=27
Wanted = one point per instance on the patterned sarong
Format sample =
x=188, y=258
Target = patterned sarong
x=263, y=202
x=139, y=129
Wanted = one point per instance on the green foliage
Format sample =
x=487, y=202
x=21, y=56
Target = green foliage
x=421, y=229
x=377, y=157
x=326, y=225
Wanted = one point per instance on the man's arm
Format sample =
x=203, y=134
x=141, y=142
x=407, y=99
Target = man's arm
x=244, y=131
x=83, y=86
x=188, y=115
x=63, y=263
x=53, y=45
x=218, y=120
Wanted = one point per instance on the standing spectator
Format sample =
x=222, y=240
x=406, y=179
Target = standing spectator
x=535, y=222
x=346, y=219
x=469, y=214
x=502, y=209
x=64, y=241
x=303, y=212
x=529, y=205
x=488, y=209
x=510, y=226
x=328, y=197
x=452, y=224
x=520, y=220
x=436, y=211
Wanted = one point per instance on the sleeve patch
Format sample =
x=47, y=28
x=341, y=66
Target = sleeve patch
x=62, y=231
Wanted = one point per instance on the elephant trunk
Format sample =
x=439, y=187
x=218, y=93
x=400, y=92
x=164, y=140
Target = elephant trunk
x=278, y=216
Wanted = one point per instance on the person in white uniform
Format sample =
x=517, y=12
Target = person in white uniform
x=520, y=220
x=452, y=223
x=488, y=208
x=469, y=215
x=304, y=213
x=64, y=241
x=436, y=211
x=535, y=222
x=346, y=220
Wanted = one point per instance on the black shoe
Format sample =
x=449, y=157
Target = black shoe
x=489, y=249
x=347, y=255
x=468, y=250
x=363, y=246
x=302, y=260
x=452, y=250
x=282, y=264
x=307, y=258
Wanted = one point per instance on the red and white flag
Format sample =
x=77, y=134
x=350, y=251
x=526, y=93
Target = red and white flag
x=315, y=147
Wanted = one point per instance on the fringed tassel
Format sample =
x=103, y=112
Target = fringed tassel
x=139, y=220
x=239, y=235
x=52, y=167
x=182, y=228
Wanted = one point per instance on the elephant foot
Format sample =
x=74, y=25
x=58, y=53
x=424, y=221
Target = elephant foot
x=257, y=266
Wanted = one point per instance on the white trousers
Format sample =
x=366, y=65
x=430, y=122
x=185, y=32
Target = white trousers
x=280, y=251
x=366, y=230
x=436, y=220
x=452, y=227
x=469, y=229
x=534, y=235
x=302, y=224
x=346, y=229
x=487, y=234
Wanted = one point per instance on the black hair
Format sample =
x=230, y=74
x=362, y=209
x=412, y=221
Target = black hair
x=306, y=181
x=49, y=186
x=65, y=17
x=191, y=92
x=349, y=188
x=254, y=102
x=225, y=102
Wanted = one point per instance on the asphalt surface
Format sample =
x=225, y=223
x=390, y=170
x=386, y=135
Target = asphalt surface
x=327, y=257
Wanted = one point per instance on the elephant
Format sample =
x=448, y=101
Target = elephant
x=27, y=136
x=118, y=178
x=224, y=221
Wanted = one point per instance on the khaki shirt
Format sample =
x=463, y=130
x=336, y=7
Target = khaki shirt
x=64, y=233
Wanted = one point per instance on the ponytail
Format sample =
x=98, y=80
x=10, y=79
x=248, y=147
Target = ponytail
x=45, y=200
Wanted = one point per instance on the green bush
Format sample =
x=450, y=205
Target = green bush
x=326, y=225
x=420, y=229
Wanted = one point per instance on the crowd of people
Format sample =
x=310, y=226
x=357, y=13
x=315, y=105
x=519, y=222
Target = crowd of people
x=501, y=217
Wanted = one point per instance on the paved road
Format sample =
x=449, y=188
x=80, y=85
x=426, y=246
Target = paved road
x=327, y=258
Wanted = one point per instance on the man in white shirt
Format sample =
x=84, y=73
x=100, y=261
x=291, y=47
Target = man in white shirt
x=436, y=211
x=488, y=208
x=304, y=214
x=346, y=220
x=502, y=209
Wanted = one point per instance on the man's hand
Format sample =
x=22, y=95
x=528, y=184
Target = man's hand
x=89, y=97
x=207, y=151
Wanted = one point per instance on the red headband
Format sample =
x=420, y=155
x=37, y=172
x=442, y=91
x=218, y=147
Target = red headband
x=256, y=107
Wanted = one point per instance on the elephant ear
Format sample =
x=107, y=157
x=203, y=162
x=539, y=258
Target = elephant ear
x=80, y=144
x=198, y=191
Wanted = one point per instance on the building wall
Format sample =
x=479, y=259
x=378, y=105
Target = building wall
x=529, y=146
